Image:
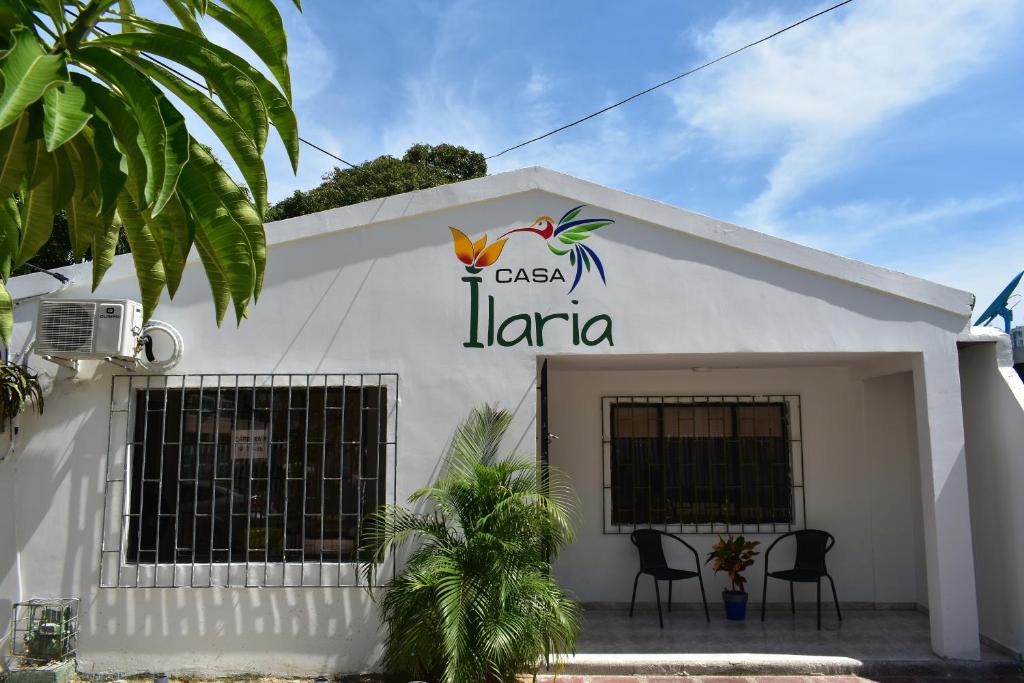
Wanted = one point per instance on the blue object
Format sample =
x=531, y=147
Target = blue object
x=1001, y=306
x=735, y=605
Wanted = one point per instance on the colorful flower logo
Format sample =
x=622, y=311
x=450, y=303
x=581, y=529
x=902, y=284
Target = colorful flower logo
x=563, y=238
x=475, y=255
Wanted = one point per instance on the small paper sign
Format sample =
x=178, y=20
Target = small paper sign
x=250, y=444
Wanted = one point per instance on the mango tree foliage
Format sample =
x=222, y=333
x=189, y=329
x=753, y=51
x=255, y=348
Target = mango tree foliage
x=90, y=127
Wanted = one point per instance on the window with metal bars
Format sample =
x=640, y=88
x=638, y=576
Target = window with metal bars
x=702, y=464
x=244, y=475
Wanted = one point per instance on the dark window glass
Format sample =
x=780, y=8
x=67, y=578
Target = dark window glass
x=713, y=463
x=259, y=475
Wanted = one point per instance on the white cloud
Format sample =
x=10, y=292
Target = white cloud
x=856, y=227
x=807, y=97
x=982, y=267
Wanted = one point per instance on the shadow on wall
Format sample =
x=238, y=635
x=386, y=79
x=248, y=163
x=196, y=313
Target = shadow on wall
x=60, y=501
x=133, y=630
x=993, y=404
x=873, y=304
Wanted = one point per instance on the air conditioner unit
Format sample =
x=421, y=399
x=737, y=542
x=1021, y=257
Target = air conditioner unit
x=78, y=329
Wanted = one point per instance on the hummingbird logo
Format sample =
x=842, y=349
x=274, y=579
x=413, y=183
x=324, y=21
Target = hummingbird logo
x=564, y=238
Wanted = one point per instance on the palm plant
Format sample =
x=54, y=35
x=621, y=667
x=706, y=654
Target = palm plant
x=476, y=600
x=88, y=127
x=19, y=389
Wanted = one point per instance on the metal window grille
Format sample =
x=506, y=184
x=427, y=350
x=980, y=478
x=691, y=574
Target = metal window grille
x=245, y=480
x=702, y=464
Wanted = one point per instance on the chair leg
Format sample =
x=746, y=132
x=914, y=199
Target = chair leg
x=835, y=598
x=657, y=596
x=819, y=604
x=633, y=601
x=764, y=595
x=704, y=598
x=670, y=595
x=792, y=600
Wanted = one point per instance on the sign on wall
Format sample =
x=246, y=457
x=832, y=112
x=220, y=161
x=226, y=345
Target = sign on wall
x=250, y=444
x=569, y=259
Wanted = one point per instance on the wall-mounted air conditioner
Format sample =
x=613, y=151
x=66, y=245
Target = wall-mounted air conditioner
x=79, y=329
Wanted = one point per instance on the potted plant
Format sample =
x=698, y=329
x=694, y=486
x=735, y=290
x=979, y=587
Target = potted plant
x=733, y=555
x=19, y=388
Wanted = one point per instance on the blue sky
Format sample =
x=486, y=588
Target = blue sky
x=890, y=132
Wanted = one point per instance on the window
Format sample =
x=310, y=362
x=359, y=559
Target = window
x=702, y=463
x=246, y=472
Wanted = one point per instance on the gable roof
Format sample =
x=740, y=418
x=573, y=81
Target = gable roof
x=491, y=187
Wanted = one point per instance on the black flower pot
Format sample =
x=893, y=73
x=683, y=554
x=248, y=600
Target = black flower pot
x=735, y=605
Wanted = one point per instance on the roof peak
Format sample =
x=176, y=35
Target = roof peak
x=539, y=178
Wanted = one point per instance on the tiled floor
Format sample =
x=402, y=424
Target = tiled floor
x=866, y=642
x=863, y=634
x=766, y=679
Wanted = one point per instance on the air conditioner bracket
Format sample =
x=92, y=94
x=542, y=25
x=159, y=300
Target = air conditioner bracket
x=68, y=363
x=130, y=365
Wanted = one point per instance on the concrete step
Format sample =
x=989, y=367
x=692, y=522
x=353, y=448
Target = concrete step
x=745, y=664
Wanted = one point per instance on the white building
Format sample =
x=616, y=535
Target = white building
x=207, y=518
x=1017, y=342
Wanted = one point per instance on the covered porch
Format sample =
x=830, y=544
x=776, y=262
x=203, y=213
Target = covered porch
x=872, y=450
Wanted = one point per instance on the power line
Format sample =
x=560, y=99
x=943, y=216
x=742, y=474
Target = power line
x=204, y=86
x=671, y=80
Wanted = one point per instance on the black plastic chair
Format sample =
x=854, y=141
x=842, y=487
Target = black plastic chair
x=811, y=547
x=653, y=563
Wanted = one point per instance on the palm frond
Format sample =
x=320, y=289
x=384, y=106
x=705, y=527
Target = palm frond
x=476, y=599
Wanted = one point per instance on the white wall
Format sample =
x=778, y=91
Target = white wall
x=894, y=497
x=859, y=481
x=389, y=298
x=993, y=404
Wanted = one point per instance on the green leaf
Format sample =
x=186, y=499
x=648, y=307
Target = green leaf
x=115, y=113
x=37, y=207
x=176, y=151
x=235, y=89
x=139, y=95
x=184, y=12
x=174, y=239
x=215, y=274
x=82, y=209
x=586, y=228
x=237, y=142
x=63, y=179
x=10, y=235
x=586, y=259
x=13, y=151
x=241, y=210
x=569, y=216
x=227, y=238
x=110, y=177
x=196, y=54
x=6, y=315
x=84, y=165
x=104, y=245
x=66, y=112
x=149, y=268
x=258, y=23
x=27, y=73
x=555, y=250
